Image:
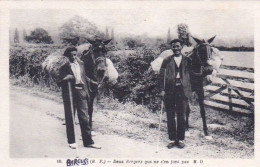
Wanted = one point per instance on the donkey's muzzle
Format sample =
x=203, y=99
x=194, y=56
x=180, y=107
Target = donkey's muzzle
x=101, y=72
x=207, y=70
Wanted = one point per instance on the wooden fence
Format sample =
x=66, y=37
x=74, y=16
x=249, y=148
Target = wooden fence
x=232, y=91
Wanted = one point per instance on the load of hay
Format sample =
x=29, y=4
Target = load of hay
x=215, y=60
x=111, y=73
x=53, y=63
x=156, y=64
x=184, y=35
x=84, y=48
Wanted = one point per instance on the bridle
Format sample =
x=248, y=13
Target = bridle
x=96, y=61
x=208, y=46
x=209, y=54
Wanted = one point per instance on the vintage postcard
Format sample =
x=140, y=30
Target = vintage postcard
x=129, y=83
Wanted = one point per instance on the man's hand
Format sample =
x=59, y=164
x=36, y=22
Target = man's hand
x=68, y=77
x=162, y=94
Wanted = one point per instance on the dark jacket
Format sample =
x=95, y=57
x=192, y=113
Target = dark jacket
x=168, y=71
x=66, y=70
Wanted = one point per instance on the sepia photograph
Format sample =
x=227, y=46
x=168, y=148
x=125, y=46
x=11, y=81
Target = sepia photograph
x=137, y=83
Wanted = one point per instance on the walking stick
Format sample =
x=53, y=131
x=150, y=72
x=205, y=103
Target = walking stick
x=72, y=114
x=161, y=112
x=159, y=128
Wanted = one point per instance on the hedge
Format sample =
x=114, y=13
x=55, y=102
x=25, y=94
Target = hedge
x=136, y=81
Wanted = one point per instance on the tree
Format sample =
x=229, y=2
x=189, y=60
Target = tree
x=112, y=36
x=77, y=30
x=39, y=35
x=24, y=35
x=107, y=34
x=16, y=36
x=132, y=43
x=169, y=36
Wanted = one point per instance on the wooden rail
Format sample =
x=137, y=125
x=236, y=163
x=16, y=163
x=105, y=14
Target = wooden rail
x=229, y=98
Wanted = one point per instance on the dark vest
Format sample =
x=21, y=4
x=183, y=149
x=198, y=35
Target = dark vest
x=178, y=81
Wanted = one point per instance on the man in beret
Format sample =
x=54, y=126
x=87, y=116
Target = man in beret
x=174, y=82
x=74, y=72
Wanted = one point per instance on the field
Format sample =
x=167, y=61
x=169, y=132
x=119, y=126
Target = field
x=241, y=59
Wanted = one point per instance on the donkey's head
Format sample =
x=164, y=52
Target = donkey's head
x=99, y=52
x=203, y=50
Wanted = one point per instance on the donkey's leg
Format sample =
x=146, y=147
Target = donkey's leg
x=200, y=93
x=187, y=117
x=90, y=109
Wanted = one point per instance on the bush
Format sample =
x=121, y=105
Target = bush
x=39, y=35
x=26, y=60
x=137, y=82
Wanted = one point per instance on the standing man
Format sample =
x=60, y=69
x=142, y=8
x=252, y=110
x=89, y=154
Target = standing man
x=74, y=73
x=174, y=81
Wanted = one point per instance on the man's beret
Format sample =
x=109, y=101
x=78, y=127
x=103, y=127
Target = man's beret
x=176, y=40
x=69, y=50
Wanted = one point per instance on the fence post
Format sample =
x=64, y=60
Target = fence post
x=230, y=99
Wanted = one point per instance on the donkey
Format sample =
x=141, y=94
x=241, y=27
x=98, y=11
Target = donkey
x=95, y=66
x=200, y=68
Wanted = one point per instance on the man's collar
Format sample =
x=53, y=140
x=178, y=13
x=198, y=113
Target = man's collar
x=178, y=56
x=74, y=62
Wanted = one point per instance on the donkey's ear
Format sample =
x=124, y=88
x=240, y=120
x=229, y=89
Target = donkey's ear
x=196, y=39
x=91, y=42
x=106, y=41
x=211, y=39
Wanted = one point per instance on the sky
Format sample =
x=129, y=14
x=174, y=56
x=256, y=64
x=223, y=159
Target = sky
x=225, y=24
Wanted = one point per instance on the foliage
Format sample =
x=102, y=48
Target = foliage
x=132, y=43
x=39, y=35
x=25, y=62
x=137, y=82
x=77, y=30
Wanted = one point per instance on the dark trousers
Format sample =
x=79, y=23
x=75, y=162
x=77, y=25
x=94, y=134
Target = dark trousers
x=176, y=103
x=80, y=105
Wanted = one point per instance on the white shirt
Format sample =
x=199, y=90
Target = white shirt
x=76, y=71
x=178, y=62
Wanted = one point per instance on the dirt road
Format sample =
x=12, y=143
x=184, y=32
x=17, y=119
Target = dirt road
x=36, y=130
x=36, y=133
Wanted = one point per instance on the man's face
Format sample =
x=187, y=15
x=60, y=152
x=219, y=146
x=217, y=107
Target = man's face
x=72, y=56
x=176, y=48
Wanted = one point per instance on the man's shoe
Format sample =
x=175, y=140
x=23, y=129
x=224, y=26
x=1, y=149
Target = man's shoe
x=180, y=144
x=96, y=146
x=93, y=133
x=171, y=145
x=73, y=146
